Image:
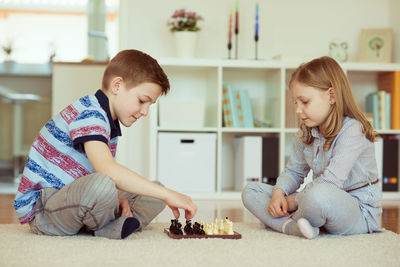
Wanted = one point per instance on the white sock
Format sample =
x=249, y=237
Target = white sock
x=307, y=229
x=301, y=228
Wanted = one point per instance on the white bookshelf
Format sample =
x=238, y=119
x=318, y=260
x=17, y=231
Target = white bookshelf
x=266, y=82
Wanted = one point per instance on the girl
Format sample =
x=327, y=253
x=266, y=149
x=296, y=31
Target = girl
x=335, y=141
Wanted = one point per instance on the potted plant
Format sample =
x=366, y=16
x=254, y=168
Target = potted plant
x=7, y=49
x=184, y=26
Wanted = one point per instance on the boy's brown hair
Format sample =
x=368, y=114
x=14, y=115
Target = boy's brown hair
x=135, y=67
x=325, y=73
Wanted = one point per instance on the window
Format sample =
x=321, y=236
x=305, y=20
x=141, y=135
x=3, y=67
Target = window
x=36, y=28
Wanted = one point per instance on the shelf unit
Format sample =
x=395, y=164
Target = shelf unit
x=266, y=82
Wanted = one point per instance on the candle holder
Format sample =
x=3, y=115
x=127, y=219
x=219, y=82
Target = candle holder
x=236, y=43
x=256, y=47
x=229, y=50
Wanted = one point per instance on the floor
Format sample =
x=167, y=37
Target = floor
x=208, y=210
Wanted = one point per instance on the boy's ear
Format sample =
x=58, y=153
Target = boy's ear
x=116, y=84
x=331, y=94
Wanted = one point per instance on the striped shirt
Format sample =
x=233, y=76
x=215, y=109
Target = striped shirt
x=57, y=155
x=349, y=163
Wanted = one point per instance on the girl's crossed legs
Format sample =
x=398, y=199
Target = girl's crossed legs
x=322, y=206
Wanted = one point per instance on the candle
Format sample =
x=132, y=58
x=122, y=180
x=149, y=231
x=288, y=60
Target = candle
x=230, y=27
x=237, y=17
x=256, y=25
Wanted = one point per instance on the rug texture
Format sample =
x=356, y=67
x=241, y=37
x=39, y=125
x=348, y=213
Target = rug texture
x=152, y=247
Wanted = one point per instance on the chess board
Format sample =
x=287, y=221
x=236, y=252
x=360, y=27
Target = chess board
x=236, y=235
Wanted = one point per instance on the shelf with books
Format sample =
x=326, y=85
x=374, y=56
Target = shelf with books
x=263, y=88
x=266, y=86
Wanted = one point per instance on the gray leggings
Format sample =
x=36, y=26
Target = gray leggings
x=323, y=206
x=91, y=202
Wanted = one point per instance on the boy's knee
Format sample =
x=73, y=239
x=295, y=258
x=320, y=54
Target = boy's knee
x=102, y=188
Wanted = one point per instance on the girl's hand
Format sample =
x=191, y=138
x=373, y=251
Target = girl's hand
x=292, y=205
x=124, y=207
x=278, y=206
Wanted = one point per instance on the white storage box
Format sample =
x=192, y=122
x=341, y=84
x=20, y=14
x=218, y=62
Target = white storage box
x=181, y=112
x=248, y=160
x=187, y=161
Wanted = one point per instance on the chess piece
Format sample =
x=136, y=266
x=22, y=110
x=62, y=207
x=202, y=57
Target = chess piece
x=188, y=228
x=221, y=227
x=175, y=227
x=228, y=227
x=215, y=229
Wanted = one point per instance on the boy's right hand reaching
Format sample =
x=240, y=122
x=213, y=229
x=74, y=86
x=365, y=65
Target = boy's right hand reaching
x=178, y=201
x=278, y=205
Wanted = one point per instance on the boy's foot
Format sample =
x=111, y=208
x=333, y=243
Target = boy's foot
x=120, y=228
x=301, y=228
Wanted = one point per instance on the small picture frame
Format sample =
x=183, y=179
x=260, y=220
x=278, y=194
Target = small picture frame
x=376, y=45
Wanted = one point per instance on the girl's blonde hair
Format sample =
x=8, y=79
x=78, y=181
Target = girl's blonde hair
x=325, y=73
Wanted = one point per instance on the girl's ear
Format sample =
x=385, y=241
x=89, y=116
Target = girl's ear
x=331, y=94
x=116, y=84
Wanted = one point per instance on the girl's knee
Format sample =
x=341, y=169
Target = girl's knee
x=318, y=197
x=252, y=189
x=248, y=193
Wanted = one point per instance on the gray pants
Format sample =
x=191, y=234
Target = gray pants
x=323, y=206
x=90, y=202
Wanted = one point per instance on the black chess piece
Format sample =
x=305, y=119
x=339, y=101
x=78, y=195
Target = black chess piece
x=175, y=227
x=198, y=229
x=172, y=226
x=179, y=228
x=202, y=232
x=188, y=228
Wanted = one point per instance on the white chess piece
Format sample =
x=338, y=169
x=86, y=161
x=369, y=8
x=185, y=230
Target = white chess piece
x=230, y=228
x=215, y=229
x=221, y=227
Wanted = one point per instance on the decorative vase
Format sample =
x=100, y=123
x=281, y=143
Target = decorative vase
x=185, y=44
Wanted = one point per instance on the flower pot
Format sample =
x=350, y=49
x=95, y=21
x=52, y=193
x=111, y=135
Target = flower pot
x=185, y=44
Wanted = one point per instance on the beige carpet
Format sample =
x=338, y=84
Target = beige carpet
x=258, y=247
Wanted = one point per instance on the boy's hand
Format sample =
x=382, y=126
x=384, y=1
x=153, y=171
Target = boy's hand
x=124, y=207
x=178, y=201
x=278, y=206
x=292, y=205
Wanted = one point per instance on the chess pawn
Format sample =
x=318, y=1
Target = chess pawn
x=211, y=228
x=215, y=229
x=229, y=228
x=221, y=227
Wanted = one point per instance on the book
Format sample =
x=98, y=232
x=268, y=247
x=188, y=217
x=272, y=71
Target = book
x=390, y=167
x=270, y=159
x=232, y=105
x=387, y=111
x=248, y=119
x=382, y=109
x=372, y=107
x=390, y=83
x=238, y=106
x=226, y=108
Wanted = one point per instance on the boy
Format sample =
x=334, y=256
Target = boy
x=70, y=180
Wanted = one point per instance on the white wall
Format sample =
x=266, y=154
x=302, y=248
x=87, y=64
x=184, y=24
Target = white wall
x=294, y=28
